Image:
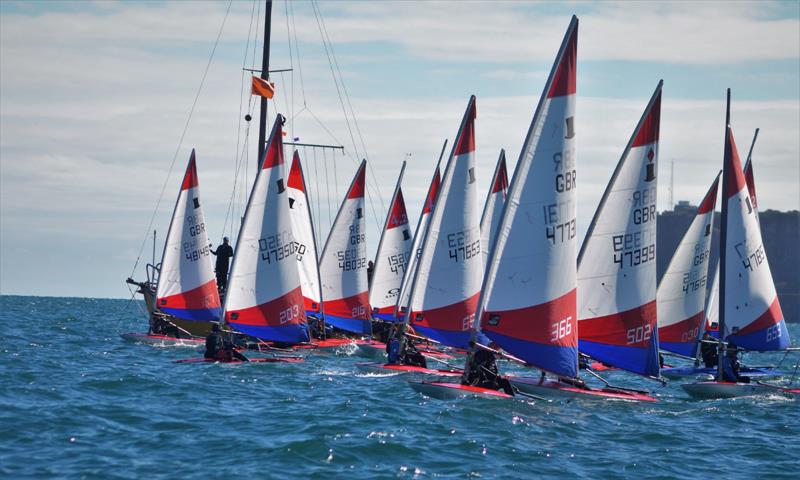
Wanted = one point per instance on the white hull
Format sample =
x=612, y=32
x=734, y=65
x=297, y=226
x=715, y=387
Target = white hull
x=452, y=391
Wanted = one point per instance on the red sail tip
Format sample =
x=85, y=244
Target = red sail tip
x=433, y=192
x=190, y=178
x=274, y=154
x=466, y=137
x=648, y=132
x=357, y=189
x=707, y=205
x=501, y=180
x=563, y=80
x=296, y=174
x=398, y=217
x=736, y=181
x=751, y=183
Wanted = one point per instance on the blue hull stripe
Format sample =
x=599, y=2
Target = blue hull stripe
x=353, y=325
x=643, y=361
x=195, y=315
x=287, y=334
x=764, y=340
x=681, y=348
x=453, y=339
x=555, y=359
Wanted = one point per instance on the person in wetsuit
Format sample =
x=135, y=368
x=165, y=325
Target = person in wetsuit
x=214, y=344
x=731, y=366
x=483, y=371
x=224, y=253
x=409, y=355
x=708, y=350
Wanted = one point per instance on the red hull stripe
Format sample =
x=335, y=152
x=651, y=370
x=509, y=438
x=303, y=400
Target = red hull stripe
x=434, y=192
x=398, y=217
x=455, y=318
x=296, y=174
x=310, y=305
x=615, y=329
x=274, y=154
x=203, y=297
x=564, y=79
x=190, y=178
x=648, y=133
x=772, y=316
x=357, y=190
x=736, y=182
x=538, y=323
x=685, y=331
x=356, y=307
x=711, y=199
x=270, y=314
x=466, y=139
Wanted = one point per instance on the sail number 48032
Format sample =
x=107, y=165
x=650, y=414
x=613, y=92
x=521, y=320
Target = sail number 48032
x=561, y=329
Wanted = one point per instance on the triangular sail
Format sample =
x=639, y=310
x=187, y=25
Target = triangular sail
x=528, y=301
x=303, y=233
x=712, y=306
x=404, y=299
x=493, y=209
x=752, y=318
x=391, y=259
x=343, y=263
x=682, y=291
x=264, y=297
x=617, y=262
x=187, y=288
x=444, y=294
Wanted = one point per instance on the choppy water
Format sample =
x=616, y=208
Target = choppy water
x=78, y=401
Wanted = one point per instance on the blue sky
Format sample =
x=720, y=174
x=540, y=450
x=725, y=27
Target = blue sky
x=94, y=96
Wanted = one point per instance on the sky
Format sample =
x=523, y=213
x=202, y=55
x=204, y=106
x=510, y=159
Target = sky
x=94, y=97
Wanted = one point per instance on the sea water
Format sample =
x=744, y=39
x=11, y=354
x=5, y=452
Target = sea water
x=78, y=401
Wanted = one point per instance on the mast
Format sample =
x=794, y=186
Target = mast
x=262, y=124
x=723, y=238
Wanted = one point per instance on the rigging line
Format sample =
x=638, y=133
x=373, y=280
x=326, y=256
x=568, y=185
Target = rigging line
x=297, y=49
x=318, y=194
x=335, y=140
x=291, y=64
x=180, y=141
x=286, y=99
x=236, y=158
x=335, y=172
x=233, y=201
x=328, y=189
x=352, y=111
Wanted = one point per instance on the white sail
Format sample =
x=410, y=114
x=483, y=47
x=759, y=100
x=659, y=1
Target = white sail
x=682, y=292
x=186, y=285
x=528, y=303
x=444, y=294
x=303, y=232
x=343, y=263
x=617, y=263
x=493, y=209
x=712, y=304
x=264, y=297
x=391, y=259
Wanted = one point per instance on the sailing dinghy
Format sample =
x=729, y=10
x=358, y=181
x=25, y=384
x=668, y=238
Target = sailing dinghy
x=186, y=297
x=750, y=314
x=343, y=263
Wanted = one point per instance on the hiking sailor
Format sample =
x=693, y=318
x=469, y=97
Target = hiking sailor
x=224, y=253
x=482, y=371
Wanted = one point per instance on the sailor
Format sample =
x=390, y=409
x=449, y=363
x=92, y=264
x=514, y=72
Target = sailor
x=409, y=355
x=708, y=350
x=370, y=270
x=393, y=347
x=482, y=371
x=230, y=353
x=224, y=253
x=731, y=366
x=214, y=344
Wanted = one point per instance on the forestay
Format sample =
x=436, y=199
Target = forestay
x=682, y=291
x=493, y=209
x=187, y=288
x=617, y=262
x=528, y=301
x=303, y=233
x=391, y=259
x=753, y=318
x=264, y=296
x=343, y=264
x=444, y=294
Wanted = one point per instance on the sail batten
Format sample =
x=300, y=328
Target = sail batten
x=617, y=261
x=528, y=305
x=264, y=297
x=343, y=263
x=187, y=288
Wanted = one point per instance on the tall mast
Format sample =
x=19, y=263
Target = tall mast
x=723, y=238
x=262, y=125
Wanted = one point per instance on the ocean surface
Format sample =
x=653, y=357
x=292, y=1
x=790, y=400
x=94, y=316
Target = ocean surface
x=78, y=401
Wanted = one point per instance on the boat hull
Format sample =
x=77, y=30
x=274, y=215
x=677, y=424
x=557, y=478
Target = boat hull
x=373, y=350
x=376, y=367
x=708, y=373
x=452, y=391
x=715, y=390
x=162, y=340
x=558, y=390
x=237, y=362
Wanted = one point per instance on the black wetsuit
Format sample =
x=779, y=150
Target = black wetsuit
x=708, y=350
x=483, y=373
x=411, y=356
x=214, y=345
x=224, y=254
